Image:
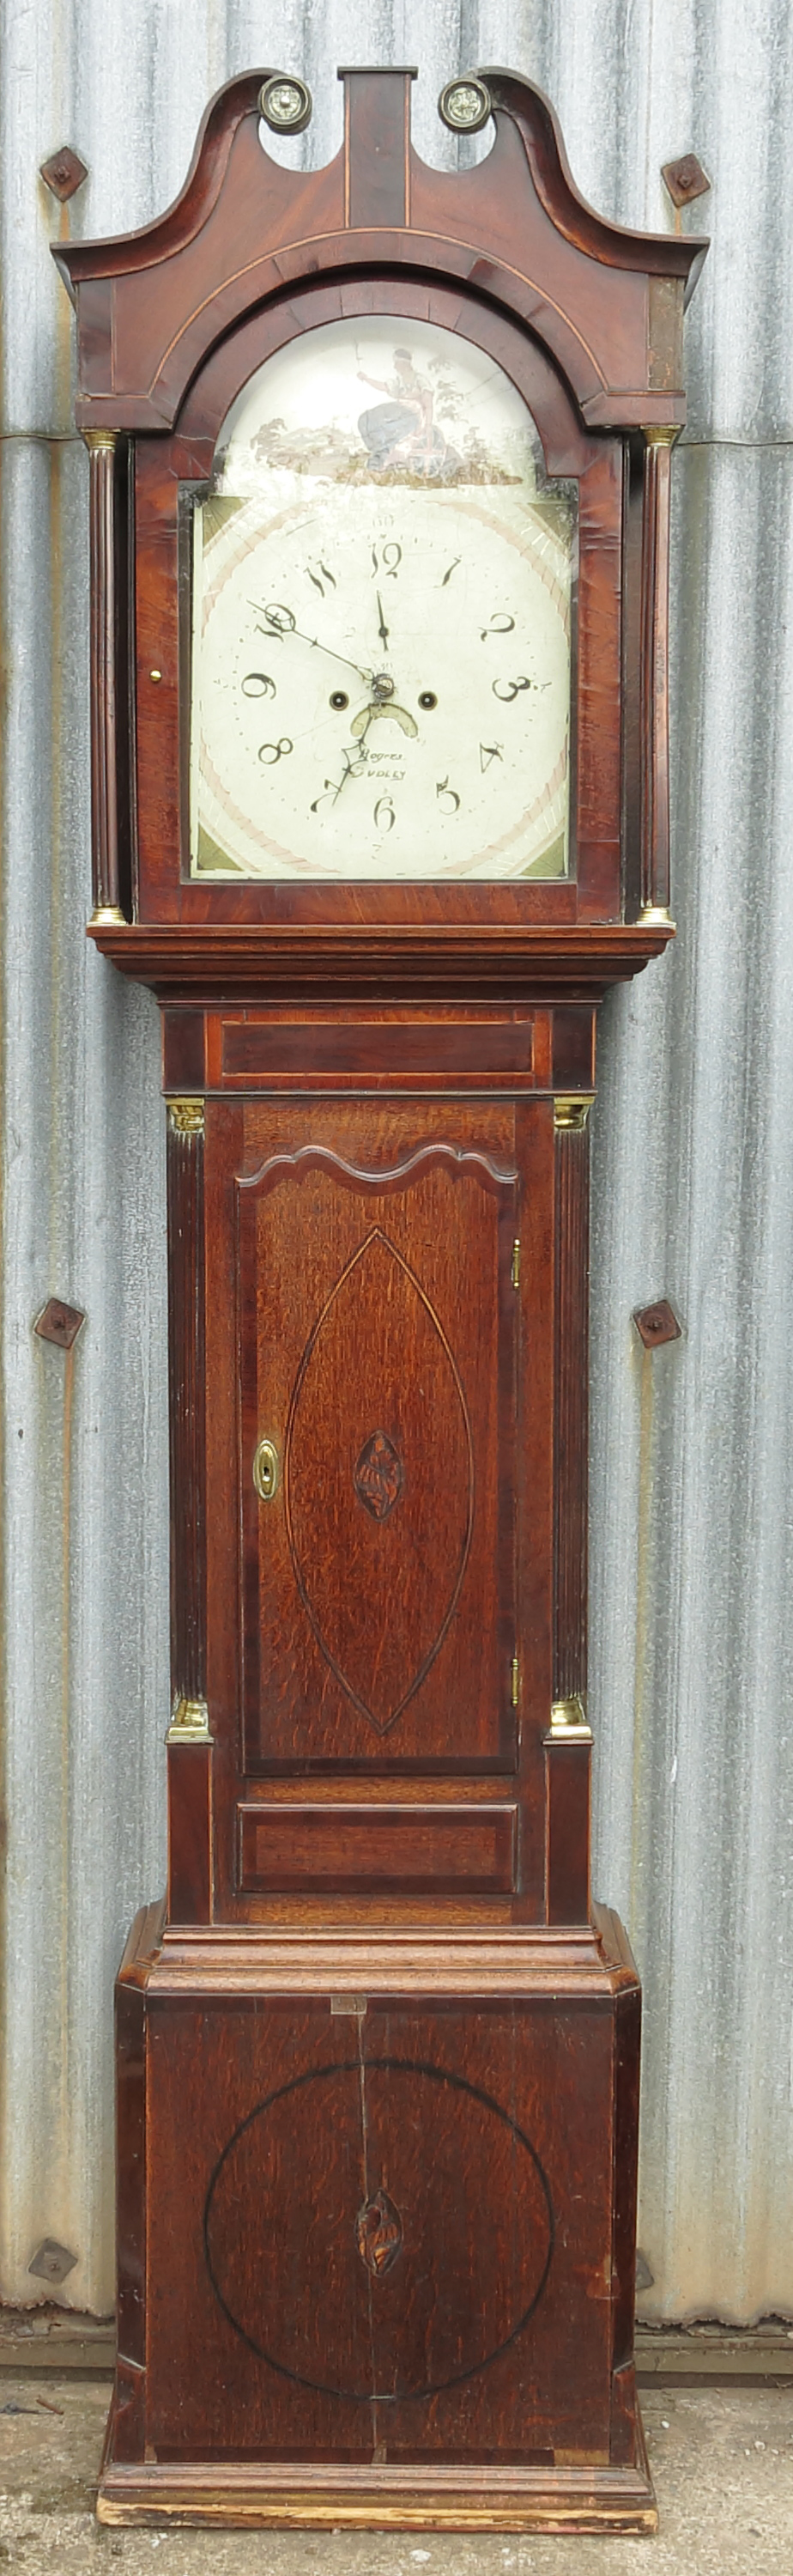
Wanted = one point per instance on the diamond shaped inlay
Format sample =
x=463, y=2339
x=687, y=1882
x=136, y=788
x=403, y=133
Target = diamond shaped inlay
x=379, y=1476
x=378, y=2233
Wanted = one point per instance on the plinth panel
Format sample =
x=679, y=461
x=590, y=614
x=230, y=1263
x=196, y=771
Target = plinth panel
x=391, y=2231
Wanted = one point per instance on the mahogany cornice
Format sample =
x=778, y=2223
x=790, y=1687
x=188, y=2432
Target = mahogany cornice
x=209, y=964
x=605, y=301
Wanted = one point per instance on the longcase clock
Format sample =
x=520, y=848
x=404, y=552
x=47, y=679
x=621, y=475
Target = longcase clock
x=379, y=515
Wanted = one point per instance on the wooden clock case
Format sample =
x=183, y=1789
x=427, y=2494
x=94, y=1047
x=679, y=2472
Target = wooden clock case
x=378, y=2053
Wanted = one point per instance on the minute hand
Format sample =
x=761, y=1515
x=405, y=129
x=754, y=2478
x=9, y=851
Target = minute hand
x=274, y=627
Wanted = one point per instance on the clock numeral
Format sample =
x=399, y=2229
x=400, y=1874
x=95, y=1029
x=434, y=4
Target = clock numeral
x=257, y=684
x=511, y=690
x=270, y=752
x=392, y=557
x=489, y=751
x=501, y=624
x=448, y=799
x=385, y=809
x=319, y=578
x=447, y=575
x=278, y=620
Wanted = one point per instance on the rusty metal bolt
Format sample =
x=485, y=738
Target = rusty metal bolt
x=656, y=1324
x=685, y=179
x=64, y=173
x=52, y=2261
x=59, y=1323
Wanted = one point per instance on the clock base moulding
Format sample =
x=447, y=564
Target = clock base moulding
x=566, y=2499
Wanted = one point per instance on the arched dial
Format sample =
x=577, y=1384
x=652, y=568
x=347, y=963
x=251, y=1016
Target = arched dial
x=381, y=665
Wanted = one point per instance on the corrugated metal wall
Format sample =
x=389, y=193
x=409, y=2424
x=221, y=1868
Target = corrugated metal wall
x=692, y=1620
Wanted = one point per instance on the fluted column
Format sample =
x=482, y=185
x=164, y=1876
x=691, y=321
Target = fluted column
x=189, y=1740
x=655, y=675
x=101, y=447
x=568, y=1740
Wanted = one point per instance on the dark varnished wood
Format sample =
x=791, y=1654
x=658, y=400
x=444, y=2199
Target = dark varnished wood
x=185, y=1168
x=567, y=449
x=553, y=962
x=243, y=227
x=418, y=1047
x=388, y=1318
x=632, y=736
x=573, y=1050
x=319, y=2290
x=378, y=2064
x=376, y=148
x=128, y=2423
x=655, y=676
x=356, y=1849
x=301, y=1198
x=571, y=1404
x=131, y=2170
x=568, y=1894
x=442, y=1050
x=626, y=2136
x=585, y=317
x=190, y=1835
x=183, y=1052
x=104, y=628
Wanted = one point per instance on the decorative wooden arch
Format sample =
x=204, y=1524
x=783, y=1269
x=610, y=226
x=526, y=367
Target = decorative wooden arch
x=606, y=302
x=511, y=237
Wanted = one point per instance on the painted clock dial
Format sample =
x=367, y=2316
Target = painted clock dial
x=382, y=593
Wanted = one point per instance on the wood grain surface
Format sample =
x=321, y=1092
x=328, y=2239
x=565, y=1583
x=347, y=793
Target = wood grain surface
x=391, y=1615
x=514, y=231
x=378, y=2068
x=457, y=2346
x=571, y=1412
x=187, y=1370
x=104, y=626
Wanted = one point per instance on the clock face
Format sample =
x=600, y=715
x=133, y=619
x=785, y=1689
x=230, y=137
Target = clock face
x=382, y=587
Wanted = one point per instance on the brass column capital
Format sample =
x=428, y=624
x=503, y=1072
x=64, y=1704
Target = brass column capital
x=571, y=1109
x=186, y=1116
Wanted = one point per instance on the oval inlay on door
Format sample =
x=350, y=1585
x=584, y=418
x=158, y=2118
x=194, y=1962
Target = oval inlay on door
x=378, y=1481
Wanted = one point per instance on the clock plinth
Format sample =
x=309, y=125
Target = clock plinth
x=380, y=811
x=393, y=2352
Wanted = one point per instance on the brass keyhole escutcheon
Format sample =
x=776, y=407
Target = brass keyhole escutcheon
x=265, y=1470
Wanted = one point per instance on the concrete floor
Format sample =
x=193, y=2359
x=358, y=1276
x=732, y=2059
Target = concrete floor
x=722, y=2460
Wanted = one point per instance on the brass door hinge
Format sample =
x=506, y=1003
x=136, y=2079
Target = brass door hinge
x=515, y=1682
x=515, y=1268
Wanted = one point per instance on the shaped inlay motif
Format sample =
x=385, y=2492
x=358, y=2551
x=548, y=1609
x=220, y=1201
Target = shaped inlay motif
x=379, y=1351
x=379, y=1476
x=378, y=2233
